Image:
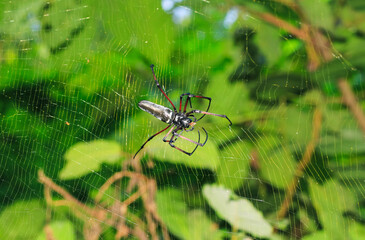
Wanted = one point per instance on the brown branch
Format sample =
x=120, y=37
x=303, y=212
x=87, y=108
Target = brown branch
x=349, y=99
x=280, y=23
x=318, y=46
x=132, y=198
x=302, y=165
x=49, y=232
x=114, y=178
x=50, y=184
x=94, y=216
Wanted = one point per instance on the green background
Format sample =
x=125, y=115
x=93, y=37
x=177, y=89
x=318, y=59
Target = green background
x=72, y=74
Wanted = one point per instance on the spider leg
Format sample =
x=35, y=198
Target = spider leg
x=196, y=96
x=159, y=87
x=192, y=141
x=207, y=113
x=150, y=139
x=172, y=145
x=206, y=136
x=188, y=99
x=186, y=103
x=192, y=128
x=164, y=138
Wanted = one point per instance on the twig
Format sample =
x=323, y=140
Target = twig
x=93, y=217
x=302, y=165
x=49, y=183
x=317, y=45
x=114, y=178
x=132, y=198
x=349, y=99
x=49, y=232
x=280, y=23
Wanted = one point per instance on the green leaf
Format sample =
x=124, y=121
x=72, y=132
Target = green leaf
x=234, y=165
x=347, y=142
x=220, y=87
x=330, y=201
x=308, y=222
x=142, y=25
x=312, y=98
x=272, y=48
x=55, y=36
x=22, y=220
x=293, y=123
x=357, y=231
x=320, y=235
x=277, y=164
x=87, y=157
x=60, y=230
x=341, y=136
x=203, y=157
x=182, y=222
x=239, y=212
x=319, y=13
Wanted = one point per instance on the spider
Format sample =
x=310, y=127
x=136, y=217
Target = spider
x=180, y=121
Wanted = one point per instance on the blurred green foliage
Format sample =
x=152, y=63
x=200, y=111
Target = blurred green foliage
x=72, y=73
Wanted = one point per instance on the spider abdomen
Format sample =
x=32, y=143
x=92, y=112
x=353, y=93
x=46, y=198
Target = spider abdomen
x=160, y=112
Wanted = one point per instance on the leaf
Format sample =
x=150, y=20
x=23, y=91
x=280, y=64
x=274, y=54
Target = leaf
x=293, y=123
x=22, y=220
x=341, y=136
x=234, y=165
x=60, y=230
x=347, y=142
x=203, y=157
x=277, y=164
x=319, y=235
x=56, y=36
x=142, y=25
x=87, y=157
x=308, y=223
x=330, y=201
x=271, y=49
x=231, y=99
x=240, y=213
x=276, y=87
x=180, y=221
x=318, y=12
x=357, y=231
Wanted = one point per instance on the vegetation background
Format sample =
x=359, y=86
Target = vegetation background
x=288, y=73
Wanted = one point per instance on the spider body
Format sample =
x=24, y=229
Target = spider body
x=166, y=114
x=179, y=120
x=160, y=112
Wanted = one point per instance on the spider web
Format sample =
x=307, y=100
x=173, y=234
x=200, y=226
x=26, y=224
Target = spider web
x=73, y=72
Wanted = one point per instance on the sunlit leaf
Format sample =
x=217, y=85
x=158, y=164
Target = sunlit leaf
x=357, y=231
x=234, y=165
x=330, y=201
x=22, y=220
x=142, y=25
x=182, y=222
x=239, y=212
x=60, y=230
x=231, y=99
x=277, y=165
x=321, y=15
x=270, y=48
x=320, y=235
x=87, y=157
x=204, y=157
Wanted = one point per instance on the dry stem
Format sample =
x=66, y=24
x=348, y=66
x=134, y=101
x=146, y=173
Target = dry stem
x=302, y=165
x=95, y=217
x=349, y=99
x=317, y=45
